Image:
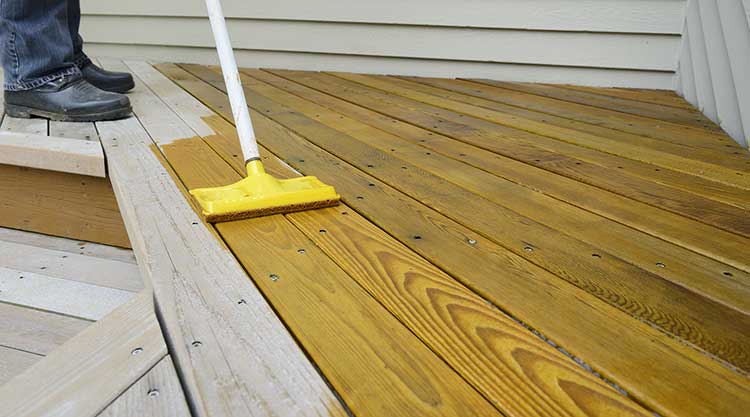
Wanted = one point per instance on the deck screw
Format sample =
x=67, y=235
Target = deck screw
x=136, y=351
x=528, y=249
x=153, y=393
x=301, y=251
x=196, y=343
x=472, y=242
x=274, y=277
x=596, y=255
x=661, y=265
x=728, y=274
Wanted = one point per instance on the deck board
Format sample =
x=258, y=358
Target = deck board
x=557, y=252
x=675, y=228
x=495, y=389
x=633, y=289
x=333, y=318
x=44, y=293
x=665, y=155
x=243, y=345
x=395, y=213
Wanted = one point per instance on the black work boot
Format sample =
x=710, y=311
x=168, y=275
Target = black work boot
x=69, y=99
x=116, y=82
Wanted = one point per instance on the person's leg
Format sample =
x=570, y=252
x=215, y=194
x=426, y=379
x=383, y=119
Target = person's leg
x=74, y=24
x=119, y=82
x=36, y=43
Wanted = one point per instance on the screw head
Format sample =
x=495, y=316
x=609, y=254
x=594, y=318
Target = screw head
x=528, y=248
x=196, y=343
x=274, y=277
x=472, y=241
x=153, y=393
x=136, y=351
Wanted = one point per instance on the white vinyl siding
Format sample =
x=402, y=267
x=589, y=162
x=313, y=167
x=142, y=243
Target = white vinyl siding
x=595, y=42
x=715, y=62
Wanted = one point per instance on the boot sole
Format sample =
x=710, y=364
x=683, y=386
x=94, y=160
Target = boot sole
x=122, y=89
x=23, y=112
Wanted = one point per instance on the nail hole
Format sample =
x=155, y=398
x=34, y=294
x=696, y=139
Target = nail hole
x=44, y=267
x=302, y=160
x=417, y=237
x=370, y=166
x=136, y=351
x=274, y=277
x=153, y=393
x=596, y=255
x=196, y=343
x=64, y=256
x=301, y=251
x=242, y=301
x=528, y=248
x=195, y=223
x=370, y=185
x=661, y=265
x=344, y=213
x=359, y=197
x=728, y=274
x=322, y=230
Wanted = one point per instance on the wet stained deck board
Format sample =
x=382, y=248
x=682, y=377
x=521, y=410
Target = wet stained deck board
x=459, y=192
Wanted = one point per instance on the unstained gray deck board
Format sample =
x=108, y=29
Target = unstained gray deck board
x=36, y=331
x=156, y=394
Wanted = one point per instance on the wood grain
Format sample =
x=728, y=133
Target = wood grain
x=677, y=229
x=60, y=204
x=704, y=275
x=365, y=352
x=609, y=342
x=661, y=97
x=53, y=153
x=74, y=130
x=71, y=266
x=691, y=117
x=607, y=276
x=36, y=331
x=195, y=277
x=92, y=369
x=659, y=153
x=450, y=89
x=156, y=394
x=90, y=249
x=13, y=362
x=527, y=150
x=380, y=267
x=63, y=296
x=538, y=97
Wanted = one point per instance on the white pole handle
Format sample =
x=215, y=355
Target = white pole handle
x=232, y=81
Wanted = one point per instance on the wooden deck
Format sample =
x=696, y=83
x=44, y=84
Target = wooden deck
x=502, y=249
x=53, y=288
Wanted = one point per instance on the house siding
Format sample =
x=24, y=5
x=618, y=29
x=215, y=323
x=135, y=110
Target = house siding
x=632, y=43
x=714, y=63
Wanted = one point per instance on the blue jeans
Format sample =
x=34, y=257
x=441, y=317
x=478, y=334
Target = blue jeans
x=40, y=41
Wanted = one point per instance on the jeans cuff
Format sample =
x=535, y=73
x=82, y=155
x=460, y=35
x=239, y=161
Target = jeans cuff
x=38, y=82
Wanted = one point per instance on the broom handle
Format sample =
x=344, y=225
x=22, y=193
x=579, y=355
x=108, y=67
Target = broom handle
x=232, y=81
